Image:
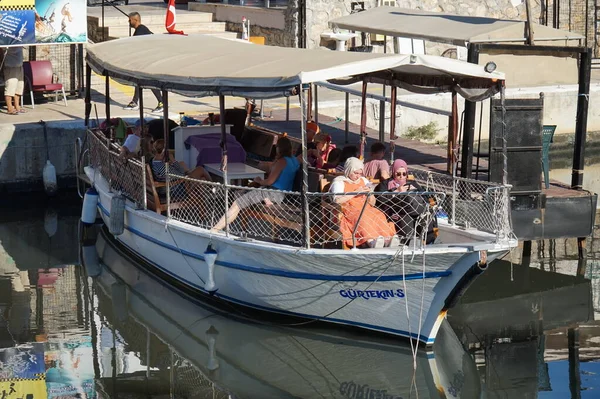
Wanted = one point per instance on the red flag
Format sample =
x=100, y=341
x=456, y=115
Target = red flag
x=170, y=19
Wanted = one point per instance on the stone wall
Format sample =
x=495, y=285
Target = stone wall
x=279, y=26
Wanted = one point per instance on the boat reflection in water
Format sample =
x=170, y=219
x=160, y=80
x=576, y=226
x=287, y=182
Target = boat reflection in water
x=191, y=347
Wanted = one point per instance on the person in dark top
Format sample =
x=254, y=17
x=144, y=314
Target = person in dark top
x=135, y=21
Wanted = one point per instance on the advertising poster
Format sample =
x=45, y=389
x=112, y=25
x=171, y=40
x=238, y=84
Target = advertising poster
x=17, y=22
x=22, y=371
x=29, y=22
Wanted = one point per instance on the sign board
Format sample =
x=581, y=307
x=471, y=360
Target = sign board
x=31, y=22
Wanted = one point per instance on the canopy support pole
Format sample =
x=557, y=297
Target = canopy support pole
x=316, y=89
x=363, y=120
x=303, y=120
x=88, y=94
x=224, y=158
x=309, y=116
x=583, y=100
x=165, y=96
x=346, y=117
x=453, y=135
x=393, y=124
x=107, y=96
x=141, y=105
x=466, y=167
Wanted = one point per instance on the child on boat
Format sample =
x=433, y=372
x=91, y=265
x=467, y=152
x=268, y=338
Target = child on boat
x=377, y=167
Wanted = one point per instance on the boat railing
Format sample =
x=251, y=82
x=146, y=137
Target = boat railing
x=327, y=221
x=470, y=203
x=124, y=175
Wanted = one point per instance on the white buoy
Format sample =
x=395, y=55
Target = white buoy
x=117, y=215
x=49, y=178
x=90, y=206
x=211, y=340
x=210, y=257
x=89, y=259
x=50, y=222
x=49, y=171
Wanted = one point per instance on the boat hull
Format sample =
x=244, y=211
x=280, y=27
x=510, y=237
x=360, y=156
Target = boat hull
x=391, y=291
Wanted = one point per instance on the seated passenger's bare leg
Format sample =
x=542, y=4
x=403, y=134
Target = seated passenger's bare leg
x=234, y=211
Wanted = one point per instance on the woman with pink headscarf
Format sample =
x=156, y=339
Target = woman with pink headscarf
x=405, y=210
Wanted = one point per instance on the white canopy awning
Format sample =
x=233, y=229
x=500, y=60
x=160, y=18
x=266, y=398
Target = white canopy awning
x=447, y=28
x=203, y=65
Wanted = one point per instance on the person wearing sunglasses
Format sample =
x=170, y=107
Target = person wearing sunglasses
x=406, y=211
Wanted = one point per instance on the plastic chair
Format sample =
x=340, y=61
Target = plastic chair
x=38, y=76
x=547, y=137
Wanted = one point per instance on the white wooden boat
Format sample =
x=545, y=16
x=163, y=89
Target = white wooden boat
x=247, y=359
x=279, y=259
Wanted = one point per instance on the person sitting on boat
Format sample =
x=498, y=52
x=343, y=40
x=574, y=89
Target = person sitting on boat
x=377, y=167
x=373, y=230
x=179, y=169
x=409, y=212
x=132, y=145
x=312, y=129
x=280, y=177
x=333, y=160
x=347, y=152
x=318, y=157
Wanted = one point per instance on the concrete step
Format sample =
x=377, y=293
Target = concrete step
x=183, y=16
x=203, y=27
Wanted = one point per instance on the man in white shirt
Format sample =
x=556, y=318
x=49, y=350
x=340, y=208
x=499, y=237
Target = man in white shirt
x=13, y=79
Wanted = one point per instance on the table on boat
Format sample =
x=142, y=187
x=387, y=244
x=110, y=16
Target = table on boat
x=235, y=171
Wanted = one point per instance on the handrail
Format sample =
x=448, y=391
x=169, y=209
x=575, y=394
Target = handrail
x=384, y=98
x=111, y=3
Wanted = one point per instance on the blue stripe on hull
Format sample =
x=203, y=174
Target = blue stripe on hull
x=285, y=273
x=285, y=312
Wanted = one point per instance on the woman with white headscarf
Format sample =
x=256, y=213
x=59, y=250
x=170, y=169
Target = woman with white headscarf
x=373, y=229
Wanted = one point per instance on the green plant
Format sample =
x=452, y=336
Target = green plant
x=426, y=132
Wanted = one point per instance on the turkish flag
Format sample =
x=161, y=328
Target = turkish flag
x=170, y=19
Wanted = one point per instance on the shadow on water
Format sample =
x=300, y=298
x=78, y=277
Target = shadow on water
x=108, y=329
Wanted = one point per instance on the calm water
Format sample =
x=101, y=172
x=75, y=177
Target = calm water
x=106, y=329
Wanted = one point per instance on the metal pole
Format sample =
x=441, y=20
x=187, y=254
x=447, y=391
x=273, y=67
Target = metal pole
x=144, y=191
x=363, y=120
x=585, y=64
x=103, y=30
x=147, y=353
x=466, y=168
x=224, y=158
x=454, y=130
x=305, y=214
x=262, y=114
x=107, y=96
x=80, y=69
x=165, y=96
x=347, y=117
x=382, y=103
x=141, y=103
x=504, y=141
x=393, y=124
x=88, y=94
x=316, y=103
x=287, y=109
